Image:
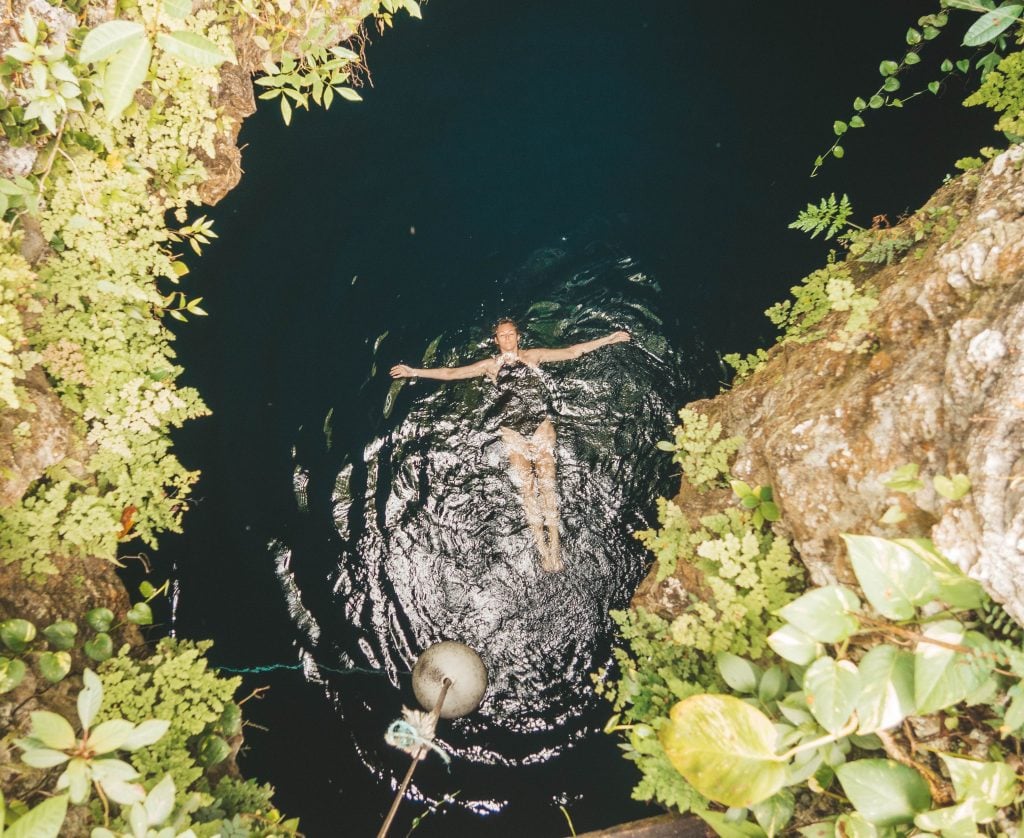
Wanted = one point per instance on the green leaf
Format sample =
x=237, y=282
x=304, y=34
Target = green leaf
x=893, y=515
x=952, y=488
x=124, y=75
x=140, y=614
x=665, y=445
x=725, y=828
x=832, y=689
x=839, y=127
x=887, y=694
x=772, y=685
x=955, y=587
x=838, y=152
x=76, y=780
x=99, y=619
x=875, y=102
x=178, y=9
x=891, y=85
x=52, y=730
x=793, y=645
x=946, y=66
x=887, y=68
x=963, y=65
x=824, y=613
x=90, y=698
x=892, y=577
x=99, y=648
x=54, y=665
x=884, y=792
x=855, y=825
x=934, y=86
x=61, y=635
x=44, y=821
x=942, y=676
x=774, y=813
x=213, y=749
x=12, y=673
x=43, y=757
x=960, y=821
x=17, y=634
x=110, y=735
x=993, y=782
x=769, y=510
x=145, y=734
x=194, y=49
x=856, y=122
x=738, y=673
x=348, y=93
x=913, y=36
x=911, y=58
x=724, y=748
x=739, y=487
x=931, y=32
x=859, y=104
x=286, y=113
x=990, y=26
x=160, y=801
x=110, y=37
x=904, y=479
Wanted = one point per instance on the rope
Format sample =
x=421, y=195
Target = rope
x=414, y=733
x=253, y=670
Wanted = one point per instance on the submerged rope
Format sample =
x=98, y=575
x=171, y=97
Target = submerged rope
x=271, y=667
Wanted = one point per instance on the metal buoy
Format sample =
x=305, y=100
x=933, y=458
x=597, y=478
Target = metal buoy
x=459, y=664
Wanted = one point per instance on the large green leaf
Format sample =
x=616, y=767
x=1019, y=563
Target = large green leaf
x=61, y=635
x=125, y=74
x=192, y=48
x=793, y=645
x=44, y=821
x=887, y=694
x=774, y=814
x=740, y=674
x=960, y=821
x=990, y=26
x=855, y=825
x=17, y=634
x=832, y=689
x=99, y=619
x=893, y=578
x=110, y=37
x=100, y=647
x=994, y=783
x=942, y=676
x=178, y=9
x=110, y=735
x=728, y=828
x=956, y=588
x=90, y=698
x=883, y=791
x=724, y=748
x=53, y=730
x=824, y=613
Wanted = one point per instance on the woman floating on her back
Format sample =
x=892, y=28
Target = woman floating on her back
x=524, y=410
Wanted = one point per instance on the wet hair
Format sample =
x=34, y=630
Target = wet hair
x=503, y=322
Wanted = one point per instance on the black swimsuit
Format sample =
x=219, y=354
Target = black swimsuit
x=524, y=400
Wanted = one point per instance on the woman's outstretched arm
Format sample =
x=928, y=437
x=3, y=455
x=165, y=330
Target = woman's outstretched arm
x=484, y=367
x=568, y=353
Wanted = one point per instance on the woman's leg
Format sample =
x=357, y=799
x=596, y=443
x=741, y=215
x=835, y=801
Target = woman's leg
x=521, y=472
x=547, y=490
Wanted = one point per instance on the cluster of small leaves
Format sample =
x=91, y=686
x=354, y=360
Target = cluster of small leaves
x=822, y=292
x=846, y=679
x=989, y=28
x=698, y=449
x=176, y=684
x=905, y=480
x=1003, y=91
x=745, y=366
x=50, y=651
x=829, y=216
x=16, y=280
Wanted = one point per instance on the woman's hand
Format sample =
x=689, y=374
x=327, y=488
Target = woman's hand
x=402, y=371
x=619, y=337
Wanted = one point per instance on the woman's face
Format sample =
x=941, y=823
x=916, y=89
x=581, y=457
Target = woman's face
x=507, y=337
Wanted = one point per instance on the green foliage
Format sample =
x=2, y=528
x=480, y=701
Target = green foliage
x=826, y=290
x=760, y=501
x=745, y=366
x=829, y=216
x=1003, y=91
x=814, y=720
x=697, y=447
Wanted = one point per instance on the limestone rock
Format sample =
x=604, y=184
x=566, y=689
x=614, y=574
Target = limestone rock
x=943, y=388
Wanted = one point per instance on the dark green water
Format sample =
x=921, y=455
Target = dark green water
x=506, y=156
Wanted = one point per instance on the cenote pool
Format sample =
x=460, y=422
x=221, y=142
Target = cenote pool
x=582, y=168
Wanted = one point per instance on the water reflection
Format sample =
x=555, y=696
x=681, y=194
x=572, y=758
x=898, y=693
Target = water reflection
x=432, y=542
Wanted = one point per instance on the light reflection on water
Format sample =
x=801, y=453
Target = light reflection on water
x=432, y=543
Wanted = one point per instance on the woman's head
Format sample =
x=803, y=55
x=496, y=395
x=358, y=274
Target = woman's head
x=506, y=335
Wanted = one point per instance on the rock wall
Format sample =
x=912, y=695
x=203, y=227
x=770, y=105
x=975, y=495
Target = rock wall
x=943, y=387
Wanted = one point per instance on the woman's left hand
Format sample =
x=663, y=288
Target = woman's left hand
x=619, y=337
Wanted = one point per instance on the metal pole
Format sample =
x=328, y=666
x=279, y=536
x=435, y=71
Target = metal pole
x=435, y=714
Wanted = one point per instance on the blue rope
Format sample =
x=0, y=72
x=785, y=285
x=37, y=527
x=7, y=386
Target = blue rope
x=253, y=670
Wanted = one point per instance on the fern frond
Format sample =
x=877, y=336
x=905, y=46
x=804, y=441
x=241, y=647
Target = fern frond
x=830, y=215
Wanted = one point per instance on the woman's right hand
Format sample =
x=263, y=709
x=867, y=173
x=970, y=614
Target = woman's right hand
x=402, y=371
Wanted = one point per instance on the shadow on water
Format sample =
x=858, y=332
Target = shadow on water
x=427, y=540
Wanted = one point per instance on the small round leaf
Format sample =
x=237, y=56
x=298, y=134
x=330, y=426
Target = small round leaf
x=140, y=614
x=213, y=749
x=61, y=635
x=54, y=665
x=100, y=647
x=12, y=672
x=17, y=634
x=99, y=619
